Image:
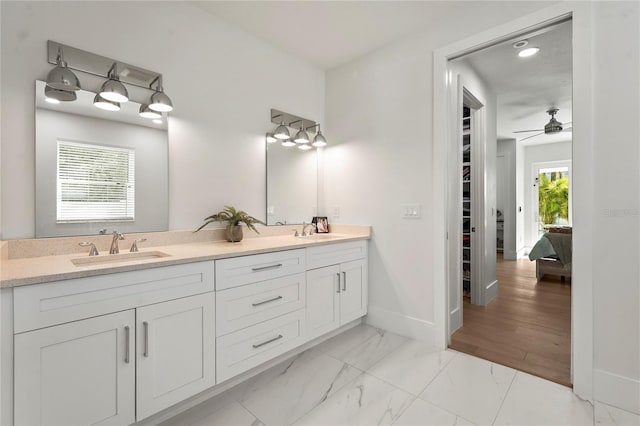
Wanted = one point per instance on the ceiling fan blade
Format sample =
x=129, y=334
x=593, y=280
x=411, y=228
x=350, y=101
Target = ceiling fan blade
x=527, y=131
x=532, y=136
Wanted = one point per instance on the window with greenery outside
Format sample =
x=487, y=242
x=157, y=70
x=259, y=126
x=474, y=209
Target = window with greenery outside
x=553, y=198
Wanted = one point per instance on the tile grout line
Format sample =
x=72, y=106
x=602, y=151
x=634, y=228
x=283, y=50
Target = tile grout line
x=505, y=398
x=455, y=355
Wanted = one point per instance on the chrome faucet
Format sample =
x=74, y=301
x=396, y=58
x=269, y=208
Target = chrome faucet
x=304, y=229
x=114, y=242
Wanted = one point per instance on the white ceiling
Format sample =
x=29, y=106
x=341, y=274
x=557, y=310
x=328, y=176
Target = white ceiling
x=330, y=33
x=527, y=87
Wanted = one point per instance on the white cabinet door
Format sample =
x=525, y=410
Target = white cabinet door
x=175, y=352
x=80, y=373
x=353, y=292
x=323, y=300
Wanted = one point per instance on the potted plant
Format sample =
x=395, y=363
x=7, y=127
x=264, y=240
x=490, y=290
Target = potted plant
x=233, y=218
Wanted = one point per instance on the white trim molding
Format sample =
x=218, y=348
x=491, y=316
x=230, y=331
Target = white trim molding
x=403, y=325
x=618, y=391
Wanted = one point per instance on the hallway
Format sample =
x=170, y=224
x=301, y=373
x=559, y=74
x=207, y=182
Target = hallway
x=527, y=326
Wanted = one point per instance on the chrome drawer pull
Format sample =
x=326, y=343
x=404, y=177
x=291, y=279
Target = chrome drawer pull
x=267, y=301
x=278, y=337
x=145, y=353
x=264, y=268
x=338, y=275
x=127, y=349
x=344, y=281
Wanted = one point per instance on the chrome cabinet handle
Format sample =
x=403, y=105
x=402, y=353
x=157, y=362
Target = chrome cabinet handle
x=145, y=352
x=127, y=348
x=338, y=275
x=266, y=342
x=266, y=301
x=264, y=268
x=344, y=281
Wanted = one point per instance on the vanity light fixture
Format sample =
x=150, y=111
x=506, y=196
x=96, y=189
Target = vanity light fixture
x=61, y=77
x=112, y=89
x=271, y=138
x=319, y=140
x=105, y=104
x=288, y=143
x=55, y=96
x=157, y=121
x=304, y=147
x=146, y=112
x=159, y=100
x=530, y=51
x=62, y=82
x=301, y=137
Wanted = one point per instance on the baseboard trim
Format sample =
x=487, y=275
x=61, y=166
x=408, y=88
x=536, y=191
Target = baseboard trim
x=490, y=292
x=618, y=391
x=404, y=325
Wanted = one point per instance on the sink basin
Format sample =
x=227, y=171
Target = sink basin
x=319, y=237
x=117, y=258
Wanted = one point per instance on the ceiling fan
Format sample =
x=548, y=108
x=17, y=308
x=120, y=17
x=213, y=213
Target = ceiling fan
x=553, y=126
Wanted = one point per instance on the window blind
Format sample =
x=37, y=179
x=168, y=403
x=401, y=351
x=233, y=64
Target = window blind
x=95, y=183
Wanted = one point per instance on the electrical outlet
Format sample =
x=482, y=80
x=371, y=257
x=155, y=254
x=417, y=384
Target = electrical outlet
x=336, y=212
x=410, y=211
x=271, y=210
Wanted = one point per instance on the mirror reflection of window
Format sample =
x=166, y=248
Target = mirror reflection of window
x=94, y=182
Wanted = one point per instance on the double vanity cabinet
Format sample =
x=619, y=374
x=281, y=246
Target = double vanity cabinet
x=115, y=349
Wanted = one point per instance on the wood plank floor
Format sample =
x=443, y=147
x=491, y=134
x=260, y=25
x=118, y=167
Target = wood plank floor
x=526, y=327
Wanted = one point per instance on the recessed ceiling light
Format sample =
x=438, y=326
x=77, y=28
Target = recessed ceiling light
x=520, y=44
x=525, y=53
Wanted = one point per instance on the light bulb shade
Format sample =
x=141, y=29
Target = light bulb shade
x=271, y=138
x=146, y=112
x=301, y=137
x=100, y=102
x=160, y=102
x=319, y=141
x=157, y=120
x=113, y=90
x=55, y=96
x=304, y=147
x=281, y=132
x=288, y=143
x=62, y=78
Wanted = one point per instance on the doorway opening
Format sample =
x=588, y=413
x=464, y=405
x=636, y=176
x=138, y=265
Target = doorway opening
x=514, y=305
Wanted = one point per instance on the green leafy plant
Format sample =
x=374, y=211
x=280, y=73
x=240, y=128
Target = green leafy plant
x=553, y=198
x=233, y=217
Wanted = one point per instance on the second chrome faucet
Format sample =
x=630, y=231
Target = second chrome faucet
x=114, y=242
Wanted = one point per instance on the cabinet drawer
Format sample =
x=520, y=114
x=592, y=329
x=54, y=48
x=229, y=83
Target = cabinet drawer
x=332, y=254
x=240, y=351
x=43, y=305
x=244, y=306
x=243, y=270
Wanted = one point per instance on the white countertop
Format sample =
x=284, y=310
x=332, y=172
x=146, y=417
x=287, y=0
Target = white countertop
x=36, y=270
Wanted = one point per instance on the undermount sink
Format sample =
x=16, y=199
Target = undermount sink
x=117, y=258
x=319, y=237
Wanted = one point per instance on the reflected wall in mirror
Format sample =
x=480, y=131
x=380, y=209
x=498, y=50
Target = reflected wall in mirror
x=292, y=184
x=99, y=169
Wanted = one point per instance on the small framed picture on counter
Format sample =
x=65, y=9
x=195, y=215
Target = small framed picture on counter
x=322, y=224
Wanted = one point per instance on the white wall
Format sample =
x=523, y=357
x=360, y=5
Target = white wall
x=379, y=115
x=507, y=197
x=222, y=81
x=538, y=154
x=519, y=199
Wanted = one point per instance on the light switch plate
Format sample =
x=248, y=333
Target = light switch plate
x=336, y=211
x=410, y=211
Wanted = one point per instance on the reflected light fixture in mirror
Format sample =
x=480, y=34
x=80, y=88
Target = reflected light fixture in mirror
x=288, y=143
x=147, y=112
x=271, y=138
x=100, y=102
x=304, y=147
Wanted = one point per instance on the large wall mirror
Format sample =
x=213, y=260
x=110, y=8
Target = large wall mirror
x=292, y=184
x=98, y=169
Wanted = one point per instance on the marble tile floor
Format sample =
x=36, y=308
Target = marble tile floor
x=367, y=376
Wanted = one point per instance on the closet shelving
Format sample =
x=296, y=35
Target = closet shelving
x=466, y=202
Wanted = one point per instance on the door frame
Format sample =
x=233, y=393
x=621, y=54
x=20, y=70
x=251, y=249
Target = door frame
x=582, y=297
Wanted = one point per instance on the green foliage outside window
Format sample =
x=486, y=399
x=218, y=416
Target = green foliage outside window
x=553, y=198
